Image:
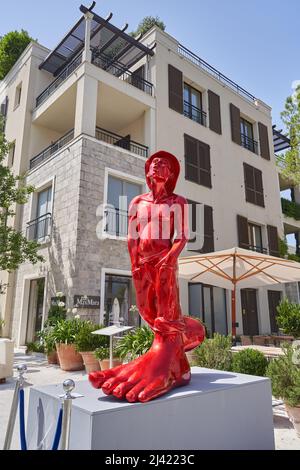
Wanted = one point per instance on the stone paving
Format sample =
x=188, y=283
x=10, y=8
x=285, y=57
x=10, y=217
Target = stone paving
x=40, y=373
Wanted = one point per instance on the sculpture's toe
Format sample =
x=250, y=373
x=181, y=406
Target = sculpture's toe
x=154, y=389
x=110, y=384
x=122, y=389
x=132, y=395
x=99, y=377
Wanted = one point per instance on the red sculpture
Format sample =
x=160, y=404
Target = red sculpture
x=157, y=233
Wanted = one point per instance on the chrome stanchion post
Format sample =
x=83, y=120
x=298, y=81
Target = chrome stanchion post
x=14, y=406
x=68, y=386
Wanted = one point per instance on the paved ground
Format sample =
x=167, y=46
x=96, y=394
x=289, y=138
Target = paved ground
x=40, y=373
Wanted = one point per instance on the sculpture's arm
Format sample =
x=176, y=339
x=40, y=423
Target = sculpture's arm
x=133, y=233
x=181, y=229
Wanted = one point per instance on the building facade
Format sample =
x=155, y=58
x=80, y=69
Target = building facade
x=84, y=118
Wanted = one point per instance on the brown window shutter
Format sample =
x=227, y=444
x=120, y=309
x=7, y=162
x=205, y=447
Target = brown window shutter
x=235, y=124
x=273, y=240
x=204, y=164
x=253, y=185
x=214, y=112
x=191, y=159
x=175, y=89
x=243, y=234
x=264, y=141
x=197, y=161
x=208, y=245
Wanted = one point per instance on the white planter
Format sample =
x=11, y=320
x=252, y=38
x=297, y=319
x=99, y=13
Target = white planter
x=6, y=358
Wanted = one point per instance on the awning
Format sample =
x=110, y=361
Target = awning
x=280, y=141
x=106, y=40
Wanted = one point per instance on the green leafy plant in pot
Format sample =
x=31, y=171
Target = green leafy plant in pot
x=284, y=373
x=64, y=334
x=135, y=343
x=102, y=354
x=288, y=317
x=47, y=339
x=86, y=343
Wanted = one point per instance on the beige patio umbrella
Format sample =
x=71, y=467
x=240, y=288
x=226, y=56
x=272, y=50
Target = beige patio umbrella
x=237, y=267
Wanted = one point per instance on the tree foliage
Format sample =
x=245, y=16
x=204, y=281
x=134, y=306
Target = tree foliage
x=12, y=45
x=289, y=162
x=147, y=23
x=14, y=246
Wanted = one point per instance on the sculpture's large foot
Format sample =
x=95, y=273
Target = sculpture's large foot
x=162, y=368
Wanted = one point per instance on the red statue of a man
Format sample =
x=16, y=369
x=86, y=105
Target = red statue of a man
x=157, y=233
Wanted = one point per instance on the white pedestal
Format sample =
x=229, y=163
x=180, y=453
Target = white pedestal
x=217, y=410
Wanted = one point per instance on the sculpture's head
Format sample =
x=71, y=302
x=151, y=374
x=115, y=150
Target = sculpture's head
x=163, y=167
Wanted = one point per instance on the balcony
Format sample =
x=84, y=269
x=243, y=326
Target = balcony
x=49, y=151
x=194, y=113
x=39, y=229
x=65, y=73
x=249, y=144
x=119, y=70
x=258, y=249
x=116, y=222
x=123, y=142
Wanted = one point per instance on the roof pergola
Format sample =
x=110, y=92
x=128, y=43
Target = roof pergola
x=106, y=41
x=280, y=141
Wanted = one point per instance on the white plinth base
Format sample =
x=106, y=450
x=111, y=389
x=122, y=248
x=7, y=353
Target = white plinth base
x=217, y=410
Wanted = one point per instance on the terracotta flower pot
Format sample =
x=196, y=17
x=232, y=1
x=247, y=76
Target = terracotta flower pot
x=191, y=357
x=69, y=358
x=294, y=416
x=52, y=357
x=104, y=363
x=90, y=361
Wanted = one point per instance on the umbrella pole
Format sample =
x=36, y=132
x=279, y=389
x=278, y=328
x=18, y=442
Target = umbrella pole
x=233, y=311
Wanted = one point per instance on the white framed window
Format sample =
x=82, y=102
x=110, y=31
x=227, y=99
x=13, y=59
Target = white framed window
x=18, y=95
x=40, y=224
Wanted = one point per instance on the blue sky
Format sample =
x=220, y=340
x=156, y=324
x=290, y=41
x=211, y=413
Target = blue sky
x=255, y=43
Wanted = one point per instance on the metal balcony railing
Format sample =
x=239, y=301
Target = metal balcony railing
x=119, y=70
x=290, y=208
x=116, y=222
x=194, y=113
x=123, y=142
x=249, y=143
x=258, y=249
x=212, y=71
x=39, y=228
x=47, y=152
x=64, y=74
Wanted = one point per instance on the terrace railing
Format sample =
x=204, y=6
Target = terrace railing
x=64, y=74
x=54, y=147
x=123, y=142
x=116, y=222
x=249, y=143
x=194, y=113
x=212, y=71
x=39, y=228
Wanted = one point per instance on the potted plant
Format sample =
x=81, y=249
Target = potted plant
x=288, y=318
x=135, y=343
x=102, y=354
x=284, y=373
x=86, y=343
x=64, y=333
x=47, y=339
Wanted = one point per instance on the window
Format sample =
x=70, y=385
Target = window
x=255, y=238
x=40, y=227
x=197, y=161
x=18, y=95
x=118, y=298
x=192, y=104
x=247, y=140
x=208, y=303
x=119, y=195
x=253, y=185
x=3, y=114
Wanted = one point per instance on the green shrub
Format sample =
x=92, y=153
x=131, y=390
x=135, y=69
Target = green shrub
x=284, y=373
x=288, y=317
x=215, y=353
x=86, y=341
x=135, y=343
x=250, y=361
x=35, y=346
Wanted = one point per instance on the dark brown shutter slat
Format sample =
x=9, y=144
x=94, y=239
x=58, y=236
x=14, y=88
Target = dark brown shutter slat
x=175, y=89
x=273, y=240
x=214, y=112
x=204, y=163
x=243, y=233
x=264, y=141
x=208, y=245
x=235, y=124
